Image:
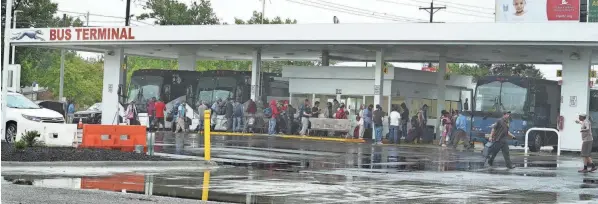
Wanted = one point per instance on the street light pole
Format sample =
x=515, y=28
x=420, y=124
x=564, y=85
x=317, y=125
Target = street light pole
x=14, y=26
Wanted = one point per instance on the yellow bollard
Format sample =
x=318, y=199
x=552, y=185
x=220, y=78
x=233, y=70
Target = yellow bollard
x=206, y=135
x=206, y=186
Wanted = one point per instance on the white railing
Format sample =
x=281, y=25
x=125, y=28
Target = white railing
x=558, y=153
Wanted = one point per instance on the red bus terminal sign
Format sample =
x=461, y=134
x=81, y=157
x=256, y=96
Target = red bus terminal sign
x=86, y=34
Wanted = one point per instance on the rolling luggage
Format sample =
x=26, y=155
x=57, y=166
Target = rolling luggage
x=488, y=148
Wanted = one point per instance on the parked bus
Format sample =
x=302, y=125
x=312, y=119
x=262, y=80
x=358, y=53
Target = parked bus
x=532, y=103
x=193, y=87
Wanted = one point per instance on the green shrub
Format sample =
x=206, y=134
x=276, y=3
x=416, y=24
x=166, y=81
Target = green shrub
x=20, y=145
x=30, y=138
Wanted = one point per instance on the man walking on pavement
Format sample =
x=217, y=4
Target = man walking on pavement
x=586, y=145
x=460, y=134
x=499, y=135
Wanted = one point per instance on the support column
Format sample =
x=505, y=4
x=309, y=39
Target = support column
x=256, y=67
x=378, y=83
x=441, y=95
x=379, y=78
x=113, y=61
x=325, y=58
x=187, y=58
x=575, y=93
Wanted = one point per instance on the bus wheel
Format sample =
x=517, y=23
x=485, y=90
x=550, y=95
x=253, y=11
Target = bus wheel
x=536, y=143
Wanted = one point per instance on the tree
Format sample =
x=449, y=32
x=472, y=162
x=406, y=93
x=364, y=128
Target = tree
x=169, y=12
x=274, y=66
x=481, y=70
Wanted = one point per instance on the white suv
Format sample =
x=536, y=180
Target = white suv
x=24, y=115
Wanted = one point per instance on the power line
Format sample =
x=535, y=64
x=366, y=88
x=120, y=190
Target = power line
x=365, y=10
x=100, y=15
x=357, y=13
x=448, y=11
x=466, y=5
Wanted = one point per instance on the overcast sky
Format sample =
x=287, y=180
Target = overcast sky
x=311, y=11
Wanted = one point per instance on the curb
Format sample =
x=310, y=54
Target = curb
x=289, y=137
x=111, y=163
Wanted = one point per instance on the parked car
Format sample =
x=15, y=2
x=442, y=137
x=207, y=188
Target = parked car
x=93, y=115
x=57, y=106
x=27, y=115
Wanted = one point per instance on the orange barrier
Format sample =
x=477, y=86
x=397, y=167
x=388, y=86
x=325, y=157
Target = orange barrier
x=123, y=137
x=118, y=182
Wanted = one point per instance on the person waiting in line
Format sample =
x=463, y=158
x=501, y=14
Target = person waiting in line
x=290, y=118
x=394, y=122
x=341, y=113
x=315, y=110
x=404, y=120
x=180, y=118
x=459, y=134
x=422, y=117
x=281, y=119
x=228, y=114
x=237, y=116
x=174, y=112
x=70, y=112
x=499, y=136
x=201, y=109
x=131, y=114
x=367, y=115
x=447, y=125
x=378, y=125
x=151, y=112
x=586, y=145
x=273, y=109
x=360, y=126
x=329, y=111
x=335, y=105
x=250, y=110
x=159, y=120
x=361, y=107
x=305, y=114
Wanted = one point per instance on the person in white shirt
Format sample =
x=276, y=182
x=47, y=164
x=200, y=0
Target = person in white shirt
x=395, y=121
x=361, y=126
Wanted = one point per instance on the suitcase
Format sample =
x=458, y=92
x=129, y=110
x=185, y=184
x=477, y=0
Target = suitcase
x=488, y=148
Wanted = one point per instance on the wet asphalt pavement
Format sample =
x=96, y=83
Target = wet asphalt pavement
x=277, y=170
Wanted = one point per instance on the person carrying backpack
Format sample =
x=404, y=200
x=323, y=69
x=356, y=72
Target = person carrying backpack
x=237, y=116
x=271, y=112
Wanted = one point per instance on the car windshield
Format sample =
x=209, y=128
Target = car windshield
x=95, y=107
x=500, y=96
x=143, y=88
x=21, y=102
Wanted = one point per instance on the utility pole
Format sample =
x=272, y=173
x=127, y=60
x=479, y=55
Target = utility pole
x=123, y=73
x=432, y=10
x=263, y=10
x=61, y=89
x=87, y=19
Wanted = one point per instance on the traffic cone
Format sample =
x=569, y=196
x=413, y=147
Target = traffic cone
x=80, y=124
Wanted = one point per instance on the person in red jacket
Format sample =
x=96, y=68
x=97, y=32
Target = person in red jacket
x=273, y=114
x=341, y=113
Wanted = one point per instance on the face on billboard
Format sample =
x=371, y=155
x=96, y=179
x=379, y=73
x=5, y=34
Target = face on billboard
x=519, y=7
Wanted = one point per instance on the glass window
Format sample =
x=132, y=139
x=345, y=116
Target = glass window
x=512, y=97
x=594, y=101
x=20, y=101
x=143, y=88
x=487, y=97
x=214, y=88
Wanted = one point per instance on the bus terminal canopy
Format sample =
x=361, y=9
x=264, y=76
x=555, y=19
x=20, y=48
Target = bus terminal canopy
x=540, y=43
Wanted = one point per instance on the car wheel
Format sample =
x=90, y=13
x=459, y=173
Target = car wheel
x=11, y=132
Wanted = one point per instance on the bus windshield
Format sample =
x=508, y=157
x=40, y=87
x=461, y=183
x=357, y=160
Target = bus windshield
x=210, y=89
x=143, y=88
x=499, y=96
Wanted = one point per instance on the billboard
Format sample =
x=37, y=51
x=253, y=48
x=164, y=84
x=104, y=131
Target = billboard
x=537, y=10
x=593, y=11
